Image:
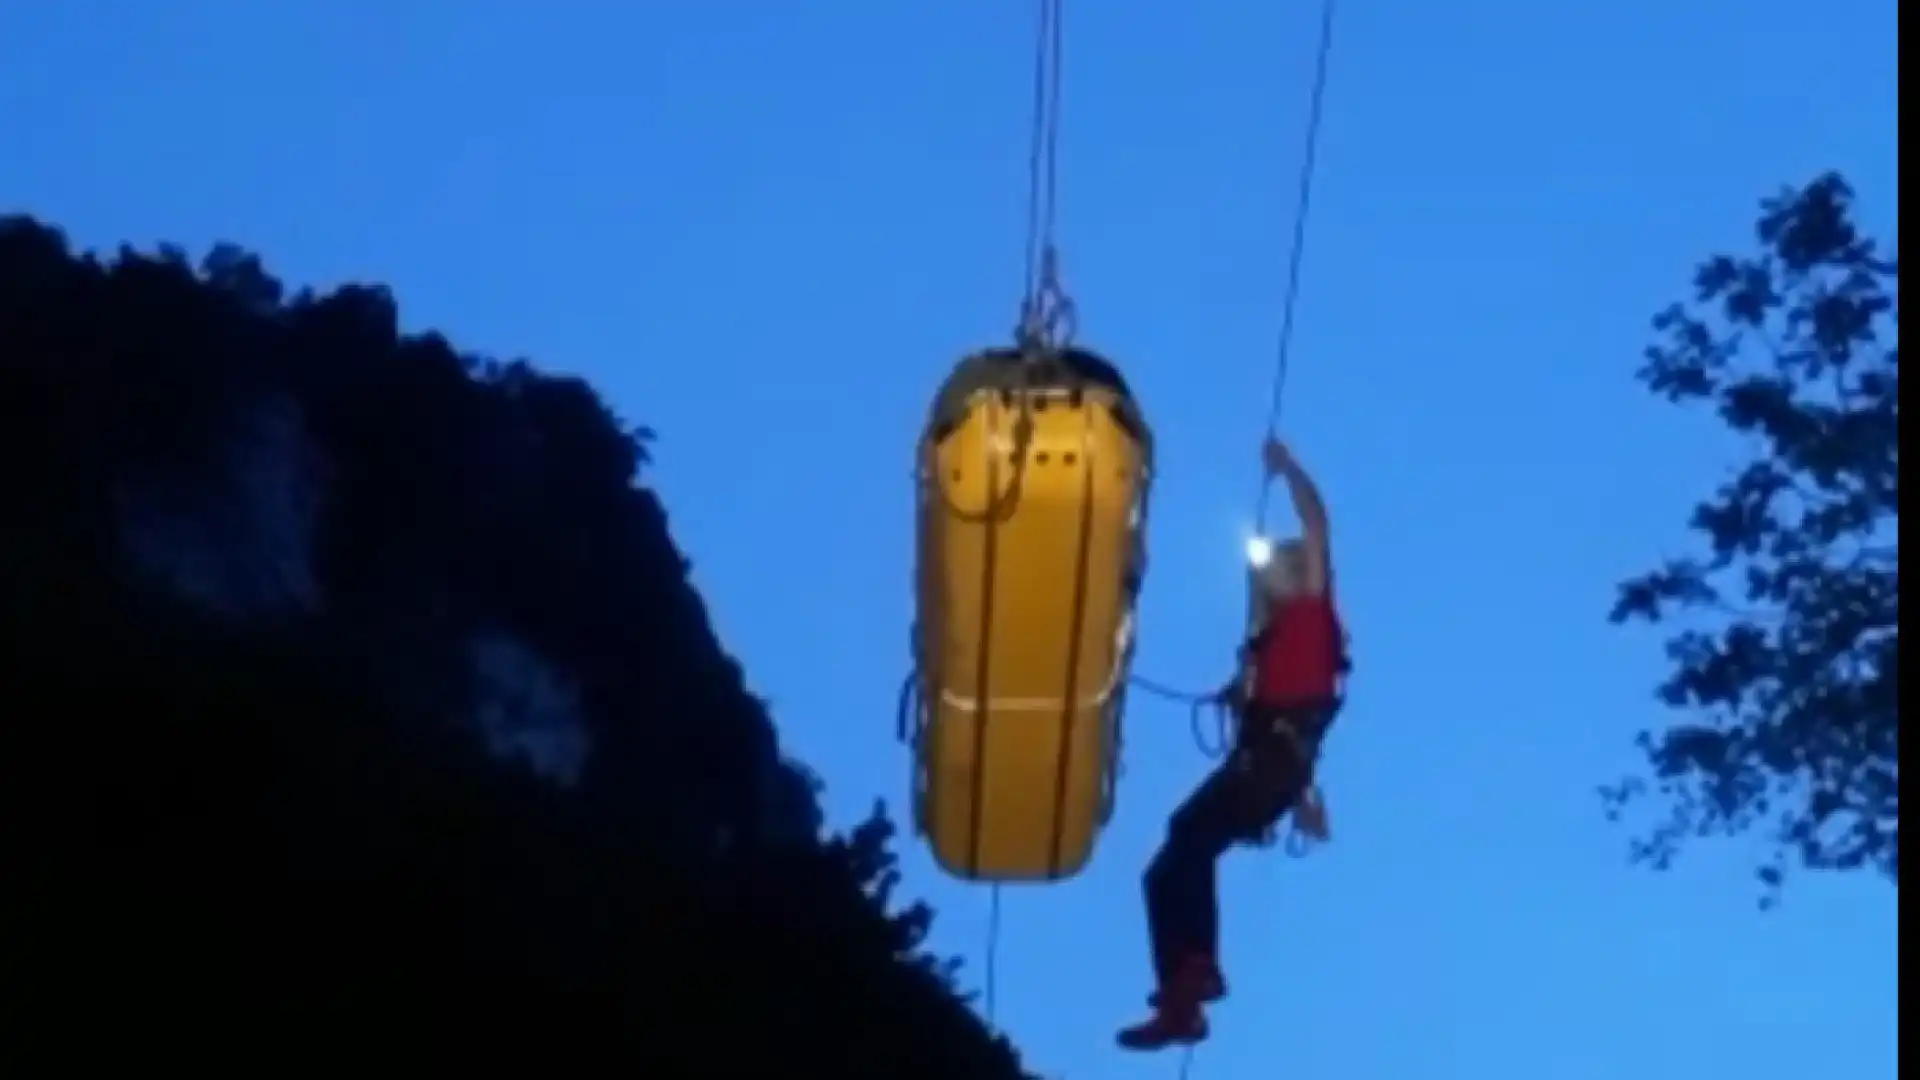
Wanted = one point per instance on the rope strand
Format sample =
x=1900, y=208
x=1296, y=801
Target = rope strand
x=1045, y=309
x=1316, y=108
x=992, y=978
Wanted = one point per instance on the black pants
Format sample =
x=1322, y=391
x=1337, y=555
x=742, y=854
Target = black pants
x=1270, y=768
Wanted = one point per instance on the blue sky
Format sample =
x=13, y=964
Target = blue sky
x=767, y=228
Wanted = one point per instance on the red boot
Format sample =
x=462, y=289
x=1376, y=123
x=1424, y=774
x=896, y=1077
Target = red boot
x=1183, y=1025
x=1199, y=979
x=1177, y=1015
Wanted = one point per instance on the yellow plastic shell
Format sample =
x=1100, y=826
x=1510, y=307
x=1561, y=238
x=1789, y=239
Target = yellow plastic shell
x=1030, y=558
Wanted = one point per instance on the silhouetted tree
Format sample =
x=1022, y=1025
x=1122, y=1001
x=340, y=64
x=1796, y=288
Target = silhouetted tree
x=1787, y=669
x=357, y=697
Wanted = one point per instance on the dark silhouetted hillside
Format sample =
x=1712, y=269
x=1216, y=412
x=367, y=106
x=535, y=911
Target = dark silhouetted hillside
x=358, y=707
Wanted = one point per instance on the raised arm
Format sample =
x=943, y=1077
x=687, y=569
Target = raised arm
x=1317, y=557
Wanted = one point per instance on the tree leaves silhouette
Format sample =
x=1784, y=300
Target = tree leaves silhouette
x=1785, y=665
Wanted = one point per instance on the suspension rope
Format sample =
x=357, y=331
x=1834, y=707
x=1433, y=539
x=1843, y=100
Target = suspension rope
x=992, y=978
x=1046, y=321
x=1213, y=746
x=1221, y=701
x=1316, y=108
x=1046, y=311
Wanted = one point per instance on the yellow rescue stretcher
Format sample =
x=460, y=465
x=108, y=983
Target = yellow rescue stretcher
x=1033, y=477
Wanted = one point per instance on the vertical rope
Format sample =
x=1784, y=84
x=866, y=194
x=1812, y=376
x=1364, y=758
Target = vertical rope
x=993, y=953
x=1045, y=310
x=1316, y=108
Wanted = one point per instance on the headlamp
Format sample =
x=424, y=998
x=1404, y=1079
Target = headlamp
x=1259, y=552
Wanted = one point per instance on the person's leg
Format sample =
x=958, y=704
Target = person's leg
x=1182, y=902
x=1182, y=914
x=1279, y=748
x=1242, y=799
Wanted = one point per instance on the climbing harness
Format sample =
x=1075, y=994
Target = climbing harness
x=1219, y=707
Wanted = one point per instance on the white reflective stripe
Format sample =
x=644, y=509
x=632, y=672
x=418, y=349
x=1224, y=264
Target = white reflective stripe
x=1122, y=644
x=1044, y=393
x=1017, y=705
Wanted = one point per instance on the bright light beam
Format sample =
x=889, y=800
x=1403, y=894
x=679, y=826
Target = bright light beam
x=1259, y=552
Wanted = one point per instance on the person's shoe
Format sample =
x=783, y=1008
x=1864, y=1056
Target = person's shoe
x=1200, y=980
x=1166, y=1027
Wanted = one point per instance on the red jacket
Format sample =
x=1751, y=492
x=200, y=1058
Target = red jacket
x=1300, y=655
